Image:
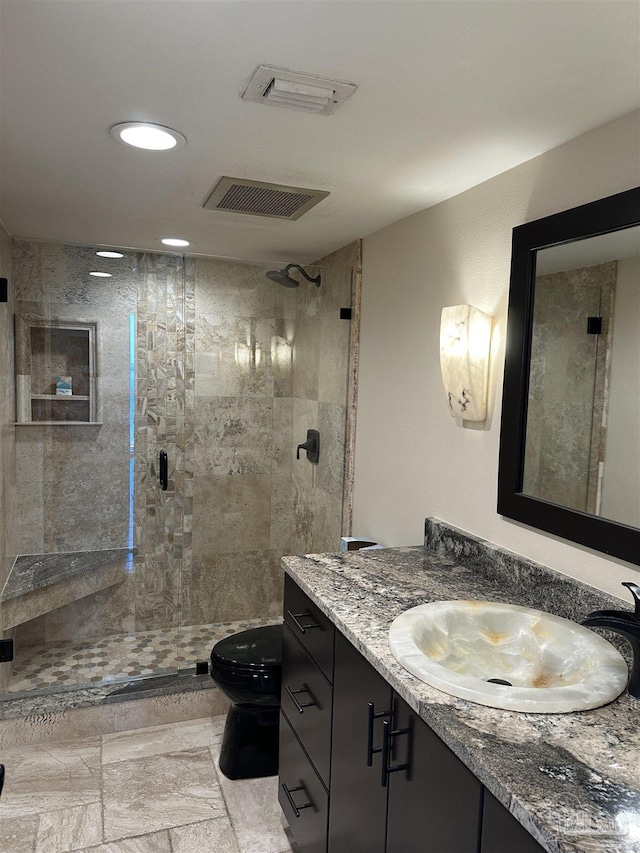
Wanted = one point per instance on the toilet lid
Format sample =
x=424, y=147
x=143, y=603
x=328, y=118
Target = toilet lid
x=255, y=649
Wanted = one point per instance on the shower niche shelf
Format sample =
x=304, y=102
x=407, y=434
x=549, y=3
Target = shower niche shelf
x=50, y=354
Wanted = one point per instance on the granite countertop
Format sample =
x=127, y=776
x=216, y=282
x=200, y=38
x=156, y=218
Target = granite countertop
x=32, y=572
x=572, y=780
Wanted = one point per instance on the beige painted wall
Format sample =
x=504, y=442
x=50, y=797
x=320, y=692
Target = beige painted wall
x=412, y=458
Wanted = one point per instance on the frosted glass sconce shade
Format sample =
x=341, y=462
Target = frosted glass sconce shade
x=465, y=338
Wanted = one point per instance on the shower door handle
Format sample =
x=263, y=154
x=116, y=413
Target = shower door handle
x=163, y=464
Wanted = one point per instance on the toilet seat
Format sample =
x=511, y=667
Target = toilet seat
x=258, y=650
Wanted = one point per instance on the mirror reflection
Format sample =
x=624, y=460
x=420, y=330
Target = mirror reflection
x=583, y=417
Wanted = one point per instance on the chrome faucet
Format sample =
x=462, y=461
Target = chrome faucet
x=628, y=624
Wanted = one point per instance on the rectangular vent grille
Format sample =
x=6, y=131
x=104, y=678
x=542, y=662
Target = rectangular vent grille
x=294, y=90
x=264, y=202
x=236, y=195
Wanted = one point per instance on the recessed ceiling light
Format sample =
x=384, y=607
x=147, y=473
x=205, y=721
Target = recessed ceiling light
x=174, y=241
x=110, y=254
x=142, y=134
x=101, y=274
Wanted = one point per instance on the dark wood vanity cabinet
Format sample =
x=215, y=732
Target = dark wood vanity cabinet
x=395, y=786
x=360, y=772
x=435, y=804
x=362, y=702
x=501, y=832
x=305, y=724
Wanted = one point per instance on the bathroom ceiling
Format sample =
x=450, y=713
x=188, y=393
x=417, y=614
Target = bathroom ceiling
x=449, y=94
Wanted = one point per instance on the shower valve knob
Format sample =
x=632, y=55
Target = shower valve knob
x=311, y=446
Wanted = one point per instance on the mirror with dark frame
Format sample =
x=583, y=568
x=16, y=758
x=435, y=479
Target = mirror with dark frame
x=570, y=434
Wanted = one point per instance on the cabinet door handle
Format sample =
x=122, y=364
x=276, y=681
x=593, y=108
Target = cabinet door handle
x=387, y=734
x=289, y=791
x=163, y=465
x=301, y=706
x=303, y=628
x=371, y=716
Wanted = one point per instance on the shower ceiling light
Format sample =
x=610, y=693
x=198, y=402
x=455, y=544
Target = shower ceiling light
x=110, y=254
x=152, y=137
x=101, y=274
x=174, y=241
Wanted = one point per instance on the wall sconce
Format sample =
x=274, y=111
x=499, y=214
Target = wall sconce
x=465, y=339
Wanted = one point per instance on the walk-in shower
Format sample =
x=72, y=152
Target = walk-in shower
x=115, y=578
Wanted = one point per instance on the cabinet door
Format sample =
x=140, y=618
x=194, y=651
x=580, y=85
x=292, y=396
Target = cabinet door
x=357, y=816
x=434, y=805
x=501, y=832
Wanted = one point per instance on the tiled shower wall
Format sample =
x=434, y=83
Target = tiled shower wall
x=568, y=393
x=72, y=482
x=7, y=432
x=229, y=381
x=240, y=449
x=163, y=421
x=323, y=399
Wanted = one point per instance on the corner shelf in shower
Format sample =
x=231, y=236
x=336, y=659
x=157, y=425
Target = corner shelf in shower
x=46, y=349
x=40, y=583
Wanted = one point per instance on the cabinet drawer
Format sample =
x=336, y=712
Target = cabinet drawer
x=307, y=700
x=301, y=794
x=309, y=625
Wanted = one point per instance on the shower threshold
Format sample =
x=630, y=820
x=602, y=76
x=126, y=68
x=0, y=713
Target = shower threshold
x=120, y=661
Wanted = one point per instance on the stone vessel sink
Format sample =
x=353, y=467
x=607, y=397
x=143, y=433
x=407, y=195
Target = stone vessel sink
x=552, y=664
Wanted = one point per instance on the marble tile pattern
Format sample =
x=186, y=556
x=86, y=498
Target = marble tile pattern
x=227, y=570
x=571, y=780
x=259, y=354
x=42, y=601
x=349, y=258
x=63, y=509
x=226, y=362
x=566, y=422
x=321, y=383
x=164, y=376
x=153, y=790
x=120, y=657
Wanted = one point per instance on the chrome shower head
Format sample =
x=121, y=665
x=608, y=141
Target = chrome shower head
x=282, y=276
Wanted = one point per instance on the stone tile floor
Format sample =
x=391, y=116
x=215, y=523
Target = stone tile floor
x=120, y=657
x=153, y=790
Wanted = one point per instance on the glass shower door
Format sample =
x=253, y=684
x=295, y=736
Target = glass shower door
x=161, y=425
x=93, y=595
x=68, y=600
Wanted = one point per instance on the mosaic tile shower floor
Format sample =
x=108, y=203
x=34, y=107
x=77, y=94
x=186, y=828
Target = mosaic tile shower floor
x=120, y=657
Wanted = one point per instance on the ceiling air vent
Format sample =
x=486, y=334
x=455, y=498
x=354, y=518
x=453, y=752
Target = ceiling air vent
x=282, y=88
x=236, y=195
